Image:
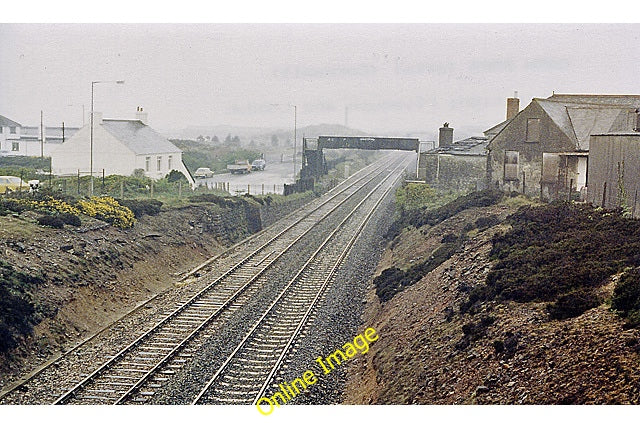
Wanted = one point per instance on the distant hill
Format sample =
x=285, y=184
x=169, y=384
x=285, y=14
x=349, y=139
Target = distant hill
x=261, y=136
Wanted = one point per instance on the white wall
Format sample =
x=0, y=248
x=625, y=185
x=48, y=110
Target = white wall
x=108, y=154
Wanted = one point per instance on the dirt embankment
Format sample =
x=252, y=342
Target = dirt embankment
x=509, y=353
x=91, y=275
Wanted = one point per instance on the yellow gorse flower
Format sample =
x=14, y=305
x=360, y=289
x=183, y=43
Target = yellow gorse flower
x=108, y=209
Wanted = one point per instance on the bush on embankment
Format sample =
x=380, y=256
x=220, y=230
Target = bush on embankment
x=559, y=254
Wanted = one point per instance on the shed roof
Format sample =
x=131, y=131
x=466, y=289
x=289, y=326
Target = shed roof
x=140, y=138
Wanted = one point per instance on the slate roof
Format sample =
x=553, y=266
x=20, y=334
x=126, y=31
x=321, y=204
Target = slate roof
x=622, y=100
x=472, y=146
x=140, y=138
x=589, y=114
x=497, y=128
x=8, y=122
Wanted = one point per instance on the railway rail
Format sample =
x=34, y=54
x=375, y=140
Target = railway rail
x=155, y=355
x=249, y=369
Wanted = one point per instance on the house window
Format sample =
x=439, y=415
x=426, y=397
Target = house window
x=159, y=160
x=533, y=130
x=0, y=129
x=15, y=146
x=147, y=162
x=169, y=163
x=12, y=129
x=511, y=159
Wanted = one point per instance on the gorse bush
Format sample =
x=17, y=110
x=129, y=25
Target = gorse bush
x=109, y=210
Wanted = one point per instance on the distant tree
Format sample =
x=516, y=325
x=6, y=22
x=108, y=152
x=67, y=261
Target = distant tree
x=274, y=140
x=227, y=139
x=200, y=138
x=235, y=139
x=215, y=139
x=175, y=175
x=252, y=143
x=208, y=138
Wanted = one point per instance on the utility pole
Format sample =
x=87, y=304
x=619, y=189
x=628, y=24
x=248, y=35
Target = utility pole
x=295, y=138
x=41, y=136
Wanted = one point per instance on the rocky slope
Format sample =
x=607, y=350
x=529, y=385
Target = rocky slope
x=505, y=353
x=86, y=277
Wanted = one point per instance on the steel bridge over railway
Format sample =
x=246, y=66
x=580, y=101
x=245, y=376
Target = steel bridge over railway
x=314, y=163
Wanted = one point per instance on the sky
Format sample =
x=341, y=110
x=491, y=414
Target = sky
x=386, y=79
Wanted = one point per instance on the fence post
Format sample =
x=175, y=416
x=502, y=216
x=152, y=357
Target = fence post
x=102, y=181
x=78, y=181
x=248, y=189
x=604, y=195
x=122, y=188
x=151, y=188
x=263, y=189
x=179, y=189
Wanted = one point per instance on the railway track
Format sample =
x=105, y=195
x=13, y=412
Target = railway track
x=151, y=359
x=247, y=372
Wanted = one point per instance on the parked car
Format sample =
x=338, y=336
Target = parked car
x=203, y=173
x=258, y=165
x=12, y=183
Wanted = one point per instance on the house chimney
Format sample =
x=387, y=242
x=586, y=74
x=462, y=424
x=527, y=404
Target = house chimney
x=142, y=115
x=513, y=106
x=445, y=137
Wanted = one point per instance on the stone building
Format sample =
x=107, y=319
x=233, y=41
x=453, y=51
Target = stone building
x=559, y=126
x=459, y=165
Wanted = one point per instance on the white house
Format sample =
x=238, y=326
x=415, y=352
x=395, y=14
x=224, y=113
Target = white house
x=10, y=137
x=119, y=147
x=18, y=140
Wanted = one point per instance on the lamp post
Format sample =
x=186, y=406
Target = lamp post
x=120, y=82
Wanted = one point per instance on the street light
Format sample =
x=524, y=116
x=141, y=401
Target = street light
x=120, y=82
x=295, y=134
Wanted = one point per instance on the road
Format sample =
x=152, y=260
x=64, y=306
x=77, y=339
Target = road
x=273, y=178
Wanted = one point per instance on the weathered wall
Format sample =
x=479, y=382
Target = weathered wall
x=453, y=172
x=513, y=138
x=614, y=160
x=272, y=213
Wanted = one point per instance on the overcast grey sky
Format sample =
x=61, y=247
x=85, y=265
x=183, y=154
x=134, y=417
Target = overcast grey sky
x=394, y=79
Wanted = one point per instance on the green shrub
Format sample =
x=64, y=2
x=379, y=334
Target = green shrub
x=53, y=221
x=573, y=304
x=70, y=219
x=18, y=312
x=142, y=207
x=487, y=221
x=558, y=253
x=626, y=296
x=393, y=280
